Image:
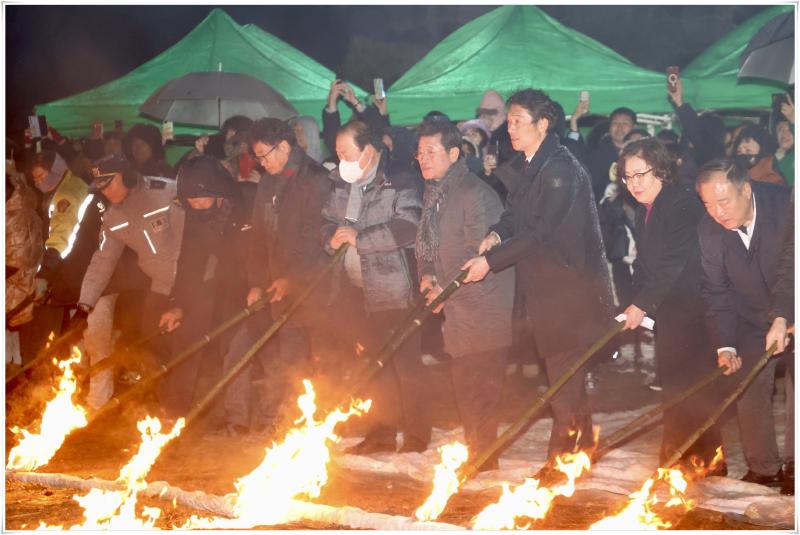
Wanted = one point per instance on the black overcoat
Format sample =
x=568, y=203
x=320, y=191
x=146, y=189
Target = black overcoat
x=550, y=233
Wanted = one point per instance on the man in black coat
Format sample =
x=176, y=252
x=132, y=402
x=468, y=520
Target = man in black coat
x=550, y=233
x=741, y=239
x=284, y=254
x=213, y=249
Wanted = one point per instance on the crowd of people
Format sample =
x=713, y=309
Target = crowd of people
x=558, y=234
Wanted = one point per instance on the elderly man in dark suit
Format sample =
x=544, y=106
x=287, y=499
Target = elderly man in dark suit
x=741, y=239
x=550, y=233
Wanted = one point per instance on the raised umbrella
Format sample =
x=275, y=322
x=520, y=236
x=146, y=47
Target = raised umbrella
x=770, y=53
x=209, y=98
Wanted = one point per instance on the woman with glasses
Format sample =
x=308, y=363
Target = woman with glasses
x=666, y=287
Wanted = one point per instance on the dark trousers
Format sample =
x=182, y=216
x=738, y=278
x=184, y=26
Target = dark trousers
x=478, y=385
x=683, y=357
x=283, y=362
x=399, y=391
x=572, y=415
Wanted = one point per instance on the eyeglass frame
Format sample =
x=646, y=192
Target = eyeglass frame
x=633, y=178
x=264, y=156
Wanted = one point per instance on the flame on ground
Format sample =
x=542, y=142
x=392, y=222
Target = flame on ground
x=529, y=500
x=639, y=513
x=61, y=416
x=700, y=470
x=445, y=481
x=116, y=510
x=296, y=467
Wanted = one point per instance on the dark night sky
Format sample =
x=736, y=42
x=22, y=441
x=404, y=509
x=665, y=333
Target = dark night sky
x=55, y=51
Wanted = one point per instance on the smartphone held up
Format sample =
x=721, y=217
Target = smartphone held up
x=377, y=84
x=673, y=77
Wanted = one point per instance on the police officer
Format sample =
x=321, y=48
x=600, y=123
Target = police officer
x=73, y=222
x=142, y=216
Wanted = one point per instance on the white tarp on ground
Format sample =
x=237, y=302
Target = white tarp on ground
x=621, y=471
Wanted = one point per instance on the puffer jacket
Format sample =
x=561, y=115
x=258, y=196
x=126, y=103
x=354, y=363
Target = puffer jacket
x=24, y=247
x=387, y=228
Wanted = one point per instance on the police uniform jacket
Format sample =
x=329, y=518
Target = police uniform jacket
x=151, y=224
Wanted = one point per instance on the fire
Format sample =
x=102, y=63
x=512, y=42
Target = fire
x=445, y=481
x=639, y=513
x=699, y=470
x=529, y=500
x=61, y=416
x=296, y=467
x=116, y=509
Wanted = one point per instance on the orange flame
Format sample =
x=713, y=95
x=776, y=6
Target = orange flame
x=529, y=500
x=296, y=467
x=445, y=481
x=700, y=470
x=639, y=513
x=116, y=510
x=61, y=416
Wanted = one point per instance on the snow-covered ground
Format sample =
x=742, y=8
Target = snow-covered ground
x=621, y=471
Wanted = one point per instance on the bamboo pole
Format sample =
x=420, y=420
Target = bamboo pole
x=680, y=450
x=71, y=336
x=198, y=409
x=206, y=339
x=96, y=368
x=607, y=444
x=413, y=322
x=471, y=468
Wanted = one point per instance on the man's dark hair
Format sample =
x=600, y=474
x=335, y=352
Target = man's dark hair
x=43, y=159
x=451, y=137
x=624, y=111
x=363, y=134
x=735, y=171
x=538, y=105
x=271, y=131
x=435, y=115
x=654, y=153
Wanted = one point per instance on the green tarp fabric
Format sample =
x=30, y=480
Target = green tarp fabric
x=514, y=47
x=712, y=76
x=217, y=41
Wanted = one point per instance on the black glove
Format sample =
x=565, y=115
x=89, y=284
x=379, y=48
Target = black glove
x=80, y=318
x=51, y=264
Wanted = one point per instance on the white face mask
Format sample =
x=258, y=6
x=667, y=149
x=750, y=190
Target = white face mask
x=350, y=172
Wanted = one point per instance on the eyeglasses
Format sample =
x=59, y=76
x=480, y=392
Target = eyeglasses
x=428, y=153
x=635, y=177
x=262, y=157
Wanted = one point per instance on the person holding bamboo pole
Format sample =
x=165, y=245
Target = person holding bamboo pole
x=377, y=214
x=457, y=212
x=208, y=273
x=284, y=254
x=550, y=233
x=666, y=287
x=741, y=239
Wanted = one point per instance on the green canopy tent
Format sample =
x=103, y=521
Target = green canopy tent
x=217, y=43
x=711, y=82
x=514, y=47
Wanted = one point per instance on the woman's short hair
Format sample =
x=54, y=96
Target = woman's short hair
x=652, y=151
